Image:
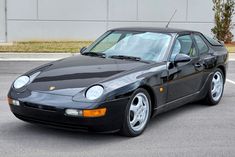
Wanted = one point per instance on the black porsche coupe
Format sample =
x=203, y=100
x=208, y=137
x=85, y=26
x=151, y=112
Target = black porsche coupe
x=120, y=81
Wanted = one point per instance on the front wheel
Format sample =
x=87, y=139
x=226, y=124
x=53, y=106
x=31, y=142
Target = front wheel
x=216, y=88
x=137, y=113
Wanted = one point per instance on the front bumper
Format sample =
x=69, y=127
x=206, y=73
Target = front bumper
x=54, y=115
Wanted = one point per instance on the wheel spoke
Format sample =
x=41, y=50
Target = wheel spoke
x=143, y=115
x=213, y=91
x=214, y=80
x=134, y=108
x=140, y=101
x=218, y=90
x=218, y=81
x=134, y=121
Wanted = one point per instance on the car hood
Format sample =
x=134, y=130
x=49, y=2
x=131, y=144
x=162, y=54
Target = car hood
x=71, y=75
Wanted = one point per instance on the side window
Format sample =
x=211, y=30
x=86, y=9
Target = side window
x=184, y=44
x=202, y=47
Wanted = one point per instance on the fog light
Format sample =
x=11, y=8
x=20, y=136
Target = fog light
x=73, y=112
x=16, y=102
x=13, y=102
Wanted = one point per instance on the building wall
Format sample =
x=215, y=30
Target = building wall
x=2, y=21
x=87, y=19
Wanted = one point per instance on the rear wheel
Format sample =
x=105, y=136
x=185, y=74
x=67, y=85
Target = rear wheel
x=216, y=88
x=137, y=113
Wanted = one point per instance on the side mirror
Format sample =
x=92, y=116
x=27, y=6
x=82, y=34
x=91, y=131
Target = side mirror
x=82, y=50
x=182, y=58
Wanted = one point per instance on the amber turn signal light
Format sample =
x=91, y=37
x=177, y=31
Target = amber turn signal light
x=10, y=101
x=94, y=113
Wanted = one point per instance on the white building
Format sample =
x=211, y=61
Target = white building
x=87, y=19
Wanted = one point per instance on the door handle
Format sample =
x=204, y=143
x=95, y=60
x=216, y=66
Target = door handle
x=197, y=65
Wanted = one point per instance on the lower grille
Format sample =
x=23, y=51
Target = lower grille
x=52, y=123
x=40, y=107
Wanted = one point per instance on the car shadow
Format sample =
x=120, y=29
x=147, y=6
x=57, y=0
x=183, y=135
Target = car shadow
x=168, y=115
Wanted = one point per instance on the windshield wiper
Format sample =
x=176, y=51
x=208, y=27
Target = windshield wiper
x=126, y=57
x=95, y=54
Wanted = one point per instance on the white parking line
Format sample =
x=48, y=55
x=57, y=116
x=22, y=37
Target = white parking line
x=29, y=59
x=230, y=81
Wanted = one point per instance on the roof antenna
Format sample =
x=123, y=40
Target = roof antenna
x=171, y=18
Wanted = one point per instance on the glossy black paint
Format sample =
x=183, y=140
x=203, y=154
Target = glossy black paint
x=183, y=82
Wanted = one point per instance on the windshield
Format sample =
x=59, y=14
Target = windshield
x=147, y=46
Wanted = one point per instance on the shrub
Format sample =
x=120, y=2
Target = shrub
x=224, y=10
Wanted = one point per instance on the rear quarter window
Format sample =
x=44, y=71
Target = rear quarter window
x=212, y=41
x=202, y=46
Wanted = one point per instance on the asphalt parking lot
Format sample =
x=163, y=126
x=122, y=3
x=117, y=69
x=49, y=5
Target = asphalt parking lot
x=191, y=130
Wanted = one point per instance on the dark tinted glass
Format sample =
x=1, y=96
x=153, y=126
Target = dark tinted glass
x=184, y=44
x=212, y=41
x=202, y=47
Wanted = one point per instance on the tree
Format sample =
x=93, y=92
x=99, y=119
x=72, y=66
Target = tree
x=224, y=11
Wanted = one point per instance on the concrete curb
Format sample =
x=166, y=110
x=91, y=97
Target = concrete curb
x=33, y=56
x=49, y=56
x=232, y=56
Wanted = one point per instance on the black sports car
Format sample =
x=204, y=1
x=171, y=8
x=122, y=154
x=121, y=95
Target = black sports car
x=121, y=80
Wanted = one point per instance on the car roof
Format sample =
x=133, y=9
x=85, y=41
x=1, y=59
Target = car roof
x=152, y=29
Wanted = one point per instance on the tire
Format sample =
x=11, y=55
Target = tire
x=137, y=113
x=215, y=90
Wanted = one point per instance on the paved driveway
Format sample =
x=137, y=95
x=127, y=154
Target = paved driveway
x=192, y=130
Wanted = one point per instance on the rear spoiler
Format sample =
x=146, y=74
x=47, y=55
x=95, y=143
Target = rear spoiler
x=221, y=42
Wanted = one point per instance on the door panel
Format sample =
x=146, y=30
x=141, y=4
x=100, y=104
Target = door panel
x=184, y=78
